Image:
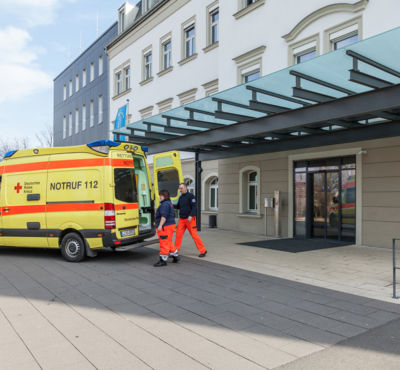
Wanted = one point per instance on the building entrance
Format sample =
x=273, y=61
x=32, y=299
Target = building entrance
x=325, y=199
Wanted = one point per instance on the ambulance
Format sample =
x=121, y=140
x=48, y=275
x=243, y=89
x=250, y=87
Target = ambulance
x=83, y=198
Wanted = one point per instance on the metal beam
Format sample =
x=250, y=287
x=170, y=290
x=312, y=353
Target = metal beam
x=203, y=124
x=311, y=95
x=366, y=103
x=382, y=130
x=200, y=111
x=368, y=80
x=232, y=116
x=373, y=63
x=157, y=135
x=279, y=96
x=267, y=108
x=321, y=82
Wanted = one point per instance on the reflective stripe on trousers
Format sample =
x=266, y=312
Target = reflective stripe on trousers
x=165, y=237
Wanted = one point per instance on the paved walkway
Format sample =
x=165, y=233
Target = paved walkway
x=240, y=308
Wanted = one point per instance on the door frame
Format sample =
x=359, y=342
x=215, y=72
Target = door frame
x=337, y=153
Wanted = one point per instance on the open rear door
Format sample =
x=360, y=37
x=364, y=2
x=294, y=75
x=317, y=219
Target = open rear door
x=167, y=174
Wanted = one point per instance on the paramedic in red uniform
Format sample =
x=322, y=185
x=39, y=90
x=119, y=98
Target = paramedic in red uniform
x=165, y=223
x=187, y=220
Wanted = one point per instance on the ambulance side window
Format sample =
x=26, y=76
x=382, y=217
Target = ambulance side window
x=169, y=180
x=125, y=185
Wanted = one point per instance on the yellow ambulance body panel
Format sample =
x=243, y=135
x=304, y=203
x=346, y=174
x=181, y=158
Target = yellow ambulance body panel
x=78, y=199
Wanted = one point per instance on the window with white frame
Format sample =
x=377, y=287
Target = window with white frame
x=70, y=124
x=118, y=83
x=91, y=72
x=64, y=127
x=344, y=40
x=146, y=5
x=127, y=76
x=100, y=107
x=148, y=65
x=83, y=117
x=76, y=83
x=305, y=49
x=166, y=54
x=190, y=185
x=65, y=92
x=306, y=55
x=252, y=191
x=190, y=39
x=100, y=65
x=84, y=77
x=121, y=21
x=213, y=194
x=91, y=118
x=251, y=75
x=247, y=3
x=214, y=31
x=76, y=121
x=70, y=88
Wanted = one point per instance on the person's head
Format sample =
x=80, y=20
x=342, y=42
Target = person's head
x=164, y=195
x=183, y=188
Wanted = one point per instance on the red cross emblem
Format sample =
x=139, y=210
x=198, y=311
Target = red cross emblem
x=18, y=188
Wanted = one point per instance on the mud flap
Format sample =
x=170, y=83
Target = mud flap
x=89, y=252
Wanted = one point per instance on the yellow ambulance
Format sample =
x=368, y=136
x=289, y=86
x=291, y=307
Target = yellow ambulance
x=83, y=198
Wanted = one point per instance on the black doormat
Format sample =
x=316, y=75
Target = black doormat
x=296, y=245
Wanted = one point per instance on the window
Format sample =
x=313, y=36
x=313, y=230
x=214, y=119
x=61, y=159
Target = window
x=84, y=78
x=169, y=180
x=100, y=107
x=83, y=117
x=76, y=121
x=249, y=190
x=214, y=20
x=70, y=124
x=166, y=51
x=121, y=21
x=307, y=55
x=251, y=76
x=213, y=196
x=190, y=185
x=64, y=127
x=343, y=42
x=91, y=120
x=125, y=185
x=252, y=187
x=118, y=87
x=190, y=41
x=65, y=92
x=127, y=73
x=70, y=88
x=76, y=83
x=148, y=66
x=91, y=72
x=146, y=5
x=100, y=65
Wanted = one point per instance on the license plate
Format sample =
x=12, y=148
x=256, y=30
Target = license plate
x=128, y=232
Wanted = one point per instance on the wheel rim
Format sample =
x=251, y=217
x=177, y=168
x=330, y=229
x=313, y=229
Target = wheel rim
x=72, y=248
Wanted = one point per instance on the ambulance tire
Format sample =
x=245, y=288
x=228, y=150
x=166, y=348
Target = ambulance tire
x=72, y=247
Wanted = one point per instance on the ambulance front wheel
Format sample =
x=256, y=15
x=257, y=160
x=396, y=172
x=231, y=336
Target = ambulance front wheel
x=73, y=247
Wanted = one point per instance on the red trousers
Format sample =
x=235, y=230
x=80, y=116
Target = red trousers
x=165, y=238
x=184, y=224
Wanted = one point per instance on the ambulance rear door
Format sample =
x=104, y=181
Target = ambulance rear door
x=125, y=195
x=167, y=175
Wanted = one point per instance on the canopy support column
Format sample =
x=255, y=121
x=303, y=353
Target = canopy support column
x=198, y=171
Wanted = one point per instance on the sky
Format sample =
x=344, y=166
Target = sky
x=38, y=39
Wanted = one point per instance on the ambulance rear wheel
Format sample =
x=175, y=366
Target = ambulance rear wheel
x=73, y=247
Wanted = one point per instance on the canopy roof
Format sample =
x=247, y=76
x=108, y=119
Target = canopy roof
x=346, y=95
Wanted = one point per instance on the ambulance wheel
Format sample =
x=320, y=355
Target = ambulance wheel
x=73, y=248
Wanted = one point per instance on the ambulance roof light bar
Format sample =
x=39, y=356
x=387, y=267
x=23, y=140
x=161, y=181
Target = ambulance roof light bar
x=10, y=153
x=102, y=146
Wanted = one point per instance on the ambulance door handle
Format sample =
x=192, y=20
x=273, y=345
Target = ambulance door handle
x=123, y=207
x=6, y=209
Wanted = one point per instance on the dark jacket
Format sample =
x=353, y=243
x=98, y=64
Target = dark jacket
x=187, y=205
x=166, y=209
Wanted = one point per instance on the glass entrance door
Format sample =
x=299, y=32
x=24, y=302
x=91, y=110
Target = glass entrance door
x=325, y=199
x=325, y=205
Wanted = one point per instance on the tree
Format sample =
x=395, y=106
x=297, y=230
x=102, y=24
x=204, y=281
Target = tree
x=14, y=144
x=45, y=137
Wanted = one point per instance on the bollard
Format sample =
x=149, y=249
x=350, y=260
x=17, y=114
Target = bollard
x=394, y=268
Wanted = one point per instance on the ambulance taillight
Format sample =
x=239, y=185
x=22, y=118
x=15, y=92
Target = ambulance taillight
x=109, y=216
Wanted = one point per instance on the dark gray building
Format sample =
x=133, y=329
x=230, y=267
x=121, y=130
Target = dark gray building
x=81, y=96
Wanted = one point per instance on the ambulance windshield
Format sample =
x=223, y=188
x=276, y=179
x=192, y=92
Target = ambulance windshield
x=125, y=185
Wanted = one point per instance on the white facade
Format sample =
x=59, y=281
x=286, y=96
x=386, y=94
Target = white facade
x=264, y=36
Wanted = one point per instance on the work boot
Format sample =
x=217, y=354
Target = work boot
x=160, y=263
x=176, y=259
x=201, y=255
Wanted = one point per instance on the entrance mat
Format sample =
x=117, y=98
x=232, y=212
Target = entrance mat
x=296, y=245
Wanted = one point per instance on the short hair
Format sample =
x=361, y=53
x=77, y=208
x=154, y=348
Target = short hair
x=165, y=194
x=182, y=183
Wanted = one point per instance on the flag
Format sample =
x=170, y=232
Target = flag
x=120, y=121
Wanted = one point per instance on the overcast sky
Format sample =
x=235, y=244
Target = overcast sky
x=38, y=38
